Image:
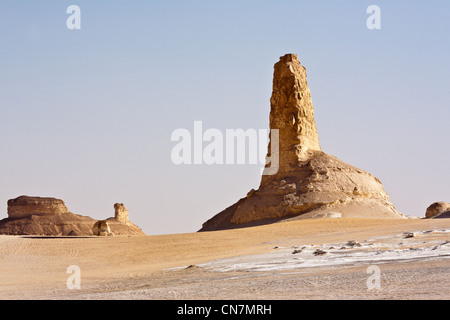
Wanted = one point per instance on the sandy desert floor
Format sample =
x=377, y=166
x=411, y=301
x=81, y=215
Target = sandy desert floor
x=303, y=259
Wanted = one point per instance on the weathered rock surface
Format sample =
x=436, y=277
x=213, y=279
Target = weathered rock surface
x=101, y=228
x=66, y=224
x=309, y=183
x=121, y=220
x=24, y=206
x=50, y=217
x=438, y=210
x=121, y=213
x=292, y=113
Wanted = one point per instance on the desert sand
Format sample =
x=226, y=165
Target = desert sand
x=276, y=261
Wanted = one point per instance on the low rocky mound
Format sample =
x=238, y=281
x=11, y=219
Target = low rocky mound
x=50, y=217
x=439, y=209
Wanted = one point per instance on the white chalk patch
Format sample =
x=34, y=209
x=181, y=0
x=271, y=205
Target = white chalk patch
x=386, y=249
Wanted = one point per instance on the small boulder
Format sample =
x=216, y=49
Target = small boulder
x=353, y=243
x=409, y=235
x=191, y=267
x=319, y=252
x=438, y=210
x=101, y=228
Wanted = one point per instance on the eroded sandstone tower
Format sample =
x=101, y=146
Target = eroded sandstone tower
x=309, y=183
x=292, y=112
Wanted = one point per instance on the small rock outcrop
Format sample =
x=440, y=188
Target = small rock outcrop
x=121, y=213
x=50, y=217
x=101, y=228
x=308, y=183
x=120, y=223
x=438, y=210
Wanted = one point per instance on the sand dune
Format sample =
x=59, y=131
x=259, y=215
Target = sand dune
x=248, y=263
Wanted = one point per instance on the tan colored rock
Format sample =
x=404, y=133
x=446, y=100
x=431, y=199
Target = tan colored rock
x=121, y=213
x=101, y=228
x=438, y=210
x=25, y=206
x=292, y=113
x=121, y=224
x=309, y=183
x=50, y=217
x=65, y=224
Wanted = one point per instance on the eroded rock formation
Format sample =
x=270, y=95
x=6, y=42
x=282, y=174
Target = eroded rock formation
x=24, y=206
x=438, y=210
x=309, y=183
x=50, y=217
x=121, y=213
x=101, y=228
x=121, y=218
x=292, y=113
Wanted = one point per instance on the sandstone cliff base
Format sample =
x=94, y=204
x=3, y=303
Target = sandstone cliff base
x=300, y=180
x=321, y=187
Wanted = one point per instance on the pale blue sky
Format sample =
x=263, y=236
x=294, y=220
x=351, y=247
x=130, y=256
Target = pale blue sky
x=86, y=115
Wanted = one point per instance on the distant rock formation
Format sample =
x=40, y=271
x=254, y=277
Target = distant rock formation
x=50, y=217
x=309, y=183
x=438, y=210
x=121, y=213
x=121, y=219
x=24, y=206
x=101, y=228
